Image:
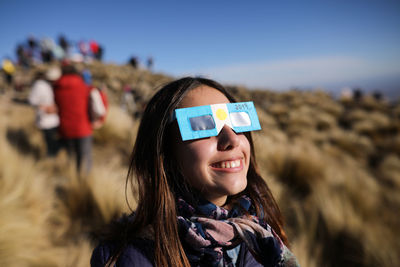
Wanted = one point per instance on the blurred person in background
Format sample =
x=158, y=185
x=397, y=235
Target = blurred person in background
x=8, y=69
x=98, y=105
x=72, y=99
x=33, y=50
x=134, y=62
x=128, y=103
x=94, y=48
x=87, y=75
x=202, y=202
x=22, y=57
x=84, y=50
x=42, y=98
x=64, y=44
x=100, y=52
x=98, y=121
x=47, y=47
x=150, y=63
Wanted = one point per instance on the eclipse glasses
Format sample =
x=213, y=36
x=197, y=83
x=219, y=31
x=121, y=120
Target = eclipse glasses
x=206, y=121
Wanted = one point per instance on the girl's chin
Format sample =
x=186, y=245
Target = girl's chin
x=233, y=189
x=220, y=199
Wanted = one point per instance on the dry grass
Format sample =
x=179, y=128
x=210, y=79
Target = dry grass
x=333, y=166
x=338, y=209
x=297, y=165
x=352, y=143
x=25, y=207
x=390, y=170
x=88, y=203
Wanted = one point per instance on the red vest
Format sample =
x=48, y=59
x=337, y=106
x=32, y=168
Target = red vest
x=72, y=99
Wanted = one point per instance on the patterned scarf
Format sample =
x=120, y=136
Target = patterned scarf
x=207, y=231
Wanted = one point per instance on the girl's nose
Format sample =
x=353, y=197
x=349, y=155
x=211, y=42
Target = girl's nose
x=227, y=139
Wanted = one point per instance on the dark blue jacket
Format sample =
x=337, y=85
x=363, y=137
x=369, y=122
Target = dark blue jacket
x=141, y=253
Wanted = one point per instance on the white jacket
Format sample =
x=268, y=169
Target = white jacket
x=42, y=95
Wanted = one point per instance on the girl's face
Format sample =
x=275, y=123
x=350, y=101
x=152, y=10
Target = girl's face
x=216, y=166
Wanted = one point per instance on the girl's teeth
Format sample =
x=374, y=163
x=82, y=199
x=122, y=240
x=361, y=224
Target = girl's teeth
x=229, y=164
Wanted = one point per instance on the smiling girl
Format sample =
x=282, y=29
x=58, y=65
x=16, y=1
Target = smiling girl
x=202, y=202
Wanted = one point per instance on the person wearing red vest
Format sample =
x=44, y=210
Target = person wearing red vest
x=94, y=47
x=72, y=99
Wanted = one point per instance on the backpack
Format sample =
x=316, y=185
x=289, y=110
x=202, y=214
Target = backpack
x=97, y=107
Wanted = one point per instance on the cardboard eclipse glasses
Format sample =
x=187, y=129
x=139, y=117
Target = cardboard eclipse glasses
x=206, y=121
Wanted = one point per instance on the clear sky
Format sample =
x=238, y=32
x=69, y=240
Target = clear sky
x=266, y=44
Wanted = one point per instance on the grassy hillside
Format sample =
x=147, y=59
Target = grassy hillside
x=333, y=165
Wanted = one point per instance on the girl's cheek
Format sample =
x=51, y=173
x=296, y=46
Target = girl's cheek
x=201, y=148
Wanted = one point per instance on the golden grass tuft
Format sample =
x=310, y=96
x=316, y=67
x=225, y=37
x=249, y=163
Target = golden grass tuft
x=297, y=164
x=390, y=170
x=118, y=128
x=374, y=121
x=351, y=143
x=89, y=203
x=25, y=206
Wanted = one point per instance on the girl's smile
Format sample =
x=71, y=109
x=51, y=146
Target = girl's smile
x=216, y=166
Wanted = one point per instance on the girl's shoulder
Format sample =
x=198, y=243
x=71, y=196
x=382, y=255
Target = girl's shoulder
x=139, y=252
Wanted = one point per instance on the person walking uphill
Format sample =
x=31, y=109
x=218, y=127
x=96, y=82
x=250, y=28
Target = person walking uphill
x=72, y=99
x=42, y=98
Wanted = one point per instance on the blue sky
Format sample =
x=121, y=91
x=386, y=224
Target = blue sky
x=264, y=44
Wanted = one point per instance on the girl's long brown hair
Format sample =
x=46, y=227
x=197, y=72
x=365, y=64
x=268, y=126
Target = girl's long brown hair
x=158, y=180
